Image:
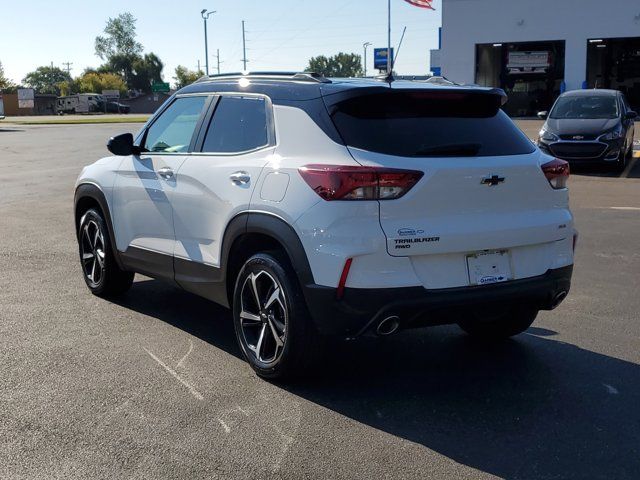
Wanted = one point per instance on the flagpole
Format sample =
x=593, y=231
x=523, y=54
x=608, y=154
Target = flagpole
x=389, y=66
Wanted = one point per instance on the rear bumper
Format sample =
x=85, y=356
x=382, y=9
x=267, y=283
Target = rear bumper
x=360, y=309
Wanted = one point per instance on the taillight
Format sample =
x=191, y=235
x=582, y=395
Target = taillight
x=341, y=182
x=557, y=172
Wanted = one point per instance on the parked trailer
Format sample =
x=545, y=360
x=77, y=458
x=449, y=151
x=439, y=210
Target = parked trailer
x=81, y=103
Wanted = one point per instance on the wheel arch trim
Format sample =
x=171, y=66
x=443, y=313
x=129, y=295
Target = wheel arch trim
x=90, y=190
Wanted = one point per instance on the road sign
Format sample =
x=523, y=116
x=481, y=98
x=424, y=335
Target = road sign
x=160, y=87
x=26, y=98
x=380, y=57
x=111, y=94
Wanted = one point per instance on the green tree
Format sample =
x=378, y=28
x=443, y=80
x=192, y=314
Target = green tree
x=46, y=79
x=146, y=71
x=185, y=77
x=93, y=82
x=5, y=83
x=119, y=39
x=340, y=65
x=122, y=54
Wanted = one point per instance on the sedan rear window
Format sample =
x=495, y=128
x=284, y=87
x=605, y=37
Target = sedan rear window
x=429, y=124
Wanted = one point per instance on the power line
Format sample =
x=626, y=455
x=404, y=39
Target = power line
x=68, y=67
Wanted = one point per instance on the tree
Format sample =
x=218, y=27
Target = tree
x=340, y=65
x=185, y=77
x=122, y=54
x=5, y=83
x=93, y=82
x=47, y=79
x=120, y=38
x=147, y=70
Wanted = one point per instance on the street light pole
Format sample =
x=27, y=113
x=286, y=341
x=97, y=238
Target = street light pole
x=365, y=45
x=205, y=16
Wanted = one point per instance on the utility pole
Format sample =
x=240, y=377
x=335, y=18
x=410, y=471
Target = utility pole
x=199, y=69
x=365, y=45
x=244, y=47
x=68, y=67
x=218, y=59
x=205, y=16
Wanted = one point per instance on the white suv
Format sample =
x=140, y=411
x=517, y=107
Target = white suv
x=344, y=207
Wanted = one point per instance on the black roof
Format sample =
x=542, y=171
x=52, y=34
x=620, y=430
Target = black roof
x=292, y=86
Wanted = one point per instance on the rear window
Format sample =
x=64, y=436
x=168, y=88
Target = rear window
x=429, y=124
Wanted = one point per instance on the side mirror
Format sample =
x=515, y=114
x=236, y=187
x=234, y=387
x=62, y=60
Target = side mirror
x=122, y=145
x=631, y=115
x=543, y=115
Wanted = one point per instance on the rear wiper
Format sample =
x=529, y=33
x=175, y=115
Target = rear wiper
x=451, y=150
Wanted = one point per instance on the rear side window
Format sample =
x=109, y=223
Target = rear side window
x=239, y=124
x=429, y=124
x=173, y=129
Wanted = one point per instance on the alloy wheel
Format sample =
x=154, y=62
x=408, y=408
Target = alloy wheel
x=263, y=316
x=92, y=252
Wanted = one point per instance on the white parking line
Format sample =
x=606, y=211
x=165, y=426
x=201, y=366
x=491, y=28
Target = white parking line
x=633, y=209
x=173, y=373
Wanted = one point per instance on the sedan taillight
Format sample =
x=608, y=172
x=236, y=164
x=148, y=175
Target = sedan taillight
x=341, y=182
x=557, y=172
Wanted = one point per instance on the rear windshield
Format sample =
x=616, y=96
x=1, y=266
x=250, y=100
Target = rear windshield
x=429, y=124
x=585, y=107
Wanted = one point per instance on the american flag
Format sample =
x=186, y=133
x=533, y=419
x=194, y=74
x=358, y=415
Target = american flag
x=421, y=3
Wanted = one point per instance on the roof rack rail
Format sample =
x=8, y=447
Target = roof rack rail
x=293, y=76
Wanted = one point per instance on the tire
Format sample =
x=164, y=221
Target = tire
x=621, y=163
x=268, y=304
x=99, y=267
x=508, y=323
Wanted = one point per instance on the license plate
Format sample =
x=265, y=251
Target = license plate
x=489, y=267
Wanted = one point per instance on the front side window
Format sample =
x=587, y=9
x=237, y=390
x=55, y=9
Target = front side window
x=597, y=106
x=239, y=124
x=173, y=129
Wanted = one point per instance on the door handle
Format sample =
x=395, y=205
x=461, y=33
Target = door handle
x=166, y=173
x=240, y=178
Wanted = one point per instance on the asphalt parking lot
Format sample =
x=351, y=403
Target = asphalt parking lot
x=152, y=386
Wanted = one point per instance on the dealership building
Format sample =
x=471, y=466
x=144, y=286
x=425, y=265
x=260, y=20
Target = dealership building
x=536, y=49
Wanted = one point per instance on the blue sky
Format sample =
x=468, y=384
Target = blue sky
x=281, y=34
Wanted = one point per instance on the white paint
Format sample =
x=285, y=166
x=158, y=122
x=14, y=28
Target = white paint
x=466, y=23
x=610, y=389
x=633, y=209
x=197, y=395
x=179, y=364
x=224, y=425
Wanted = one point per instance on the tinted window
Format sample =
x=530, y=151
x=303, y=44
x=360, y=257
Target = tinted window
x=239, y=124
x=173, y=129
x=429, y=124
x=585, y=107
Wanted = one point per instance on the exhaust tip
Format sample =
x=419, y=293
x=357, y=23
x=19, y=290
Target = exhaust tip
x=388, y=326
x=559, y=297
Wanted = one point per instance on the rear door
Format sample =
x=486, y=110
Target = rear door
x=482, y=191
x=217, y=182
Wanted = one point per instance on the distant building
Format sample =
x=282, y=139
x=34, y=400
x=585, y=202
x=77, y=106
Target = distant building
x=534, y=50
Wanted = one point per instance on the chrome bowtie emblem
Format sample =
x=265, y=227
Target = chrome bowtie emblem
x=492, y=180
x=578, y=137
